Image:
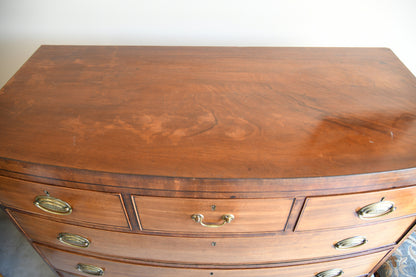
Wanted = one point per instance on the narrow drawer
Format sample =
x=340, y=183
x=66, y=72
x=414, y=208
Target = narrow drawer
x=176, y=214
x=237, y=250
x=343, y=210
x=65, y=204
x=68, y=262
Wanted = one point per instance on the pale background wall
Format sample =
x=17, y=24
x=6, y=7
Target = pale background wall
x=26, y=24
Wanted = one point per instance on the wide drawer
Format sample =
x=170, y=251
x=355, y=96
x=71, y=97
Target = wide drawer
x=175, y=214
x=68, y=262
x=91, y=207
x=247, y=250
x=343, y=210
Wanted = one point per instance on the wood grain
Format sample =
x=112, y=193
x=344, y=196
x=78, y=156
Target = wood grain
x=278, y=248
x=174, y=214
x=88, y=207
x=341, y=210
x=160, y=133
x=206, y=188
x=67, y=261
x=212, y=112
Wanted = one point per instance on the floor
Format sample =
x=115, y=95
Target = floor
x=19, y=259
x=403, y=262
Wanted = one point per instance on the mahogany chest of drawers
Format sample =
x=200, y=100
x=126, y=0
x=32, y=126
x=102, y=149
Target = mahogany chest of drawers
x=210, y=161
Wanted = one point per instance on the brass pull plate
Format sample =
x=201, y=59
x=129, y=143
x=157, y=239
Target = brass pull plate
x=349, y=243
x=376, y=210
x=52, y=205
x=90, y=269
x=330, y=273
x=199, y=218
x=73, y=240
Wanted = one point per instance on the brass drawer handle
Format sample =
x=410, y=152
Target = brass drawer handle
x=52, y=205
x=73, y=240
x=377, y=209
x=330, y=273
x=351, y=243
x=198, y=218
x=90, y=269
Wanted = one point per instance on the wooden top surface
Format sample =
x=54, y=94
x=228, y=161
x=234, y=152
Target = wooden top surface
x=211, y=112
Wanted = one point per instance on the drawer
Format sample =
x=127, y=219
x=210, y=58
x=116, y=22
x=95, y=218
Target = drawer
x=248, y=215
x=67, y=261
x=342, y=210
x=247, y=250
x=96, y=208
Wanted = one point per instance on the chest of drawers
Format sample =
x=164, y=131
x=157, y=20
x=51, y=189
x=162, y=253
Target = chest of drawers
x=210, y=161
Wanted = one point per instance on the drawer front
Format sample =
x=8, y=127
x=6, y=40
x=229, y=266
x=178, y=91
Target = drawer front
x=247, y=250
x=97, y=208
x=342, y=210
x=67, y=261
x=175, y=214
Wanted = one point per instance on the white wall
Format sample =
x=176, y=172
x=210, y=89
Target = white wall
x=26, y=24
